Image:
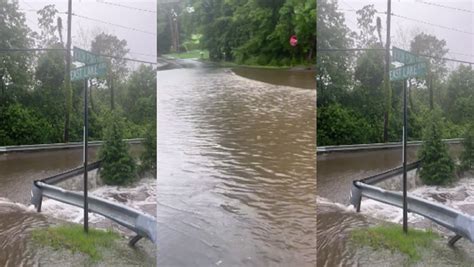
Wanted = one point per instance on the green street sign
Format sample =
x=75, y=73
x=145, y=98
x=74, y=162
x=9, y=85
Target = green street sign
x=408, y=71
x=85, y=56
x=404, y=57
x=89, y=71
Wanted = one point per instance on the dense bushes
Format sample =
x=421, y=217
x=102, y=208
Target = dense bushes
x=118, y=167
x=437, y=166
x=247, y=32
x=338, y=125
x=21, y=126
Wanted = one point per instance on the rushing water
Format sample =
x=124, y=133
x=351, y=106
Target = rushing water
x=18, y=218
x=336, y=218
x=236, y=164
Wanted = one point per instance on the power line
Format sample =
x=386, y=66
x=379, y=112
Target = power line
x=329, y=50
x=13, y=50
x=7, y=50
x=113, y=24
x=129, y=7
x=416, y=20
x=443, y=6
x=432, y=24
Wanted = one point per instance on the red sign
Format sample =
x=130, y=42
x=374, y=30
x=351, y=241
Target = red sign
x=293, y=40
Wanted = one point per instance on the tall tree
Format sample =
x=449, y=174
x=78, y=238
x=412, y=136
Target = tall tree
x=15, y=68
x=116, y=49
x=332, y=68
x=429, y=45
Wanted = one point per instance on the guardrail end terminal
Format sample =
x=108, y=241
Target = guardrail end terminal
x=36, y=197
x=356, y=196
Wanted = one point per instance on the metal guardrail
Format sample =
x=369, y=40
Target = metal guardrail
x=38, y=147
x=69, y=174
x=142, y=224
x=461, y=224
x=390, y=173
x=375, y=146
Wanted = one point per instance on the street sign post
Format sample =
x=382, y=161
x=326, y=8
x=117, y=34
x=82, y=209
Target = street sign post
x=94, y=67
x=414, y=66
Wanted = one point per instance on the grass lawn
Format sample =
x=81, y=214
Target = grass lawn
x=73, y=238
x=391, y=237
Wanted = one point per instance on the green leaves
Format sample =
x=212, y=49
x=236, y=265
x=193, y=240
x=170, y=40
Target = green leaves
x=253, y=31
x=437, y=166
x=118, y=167
x=21, y=126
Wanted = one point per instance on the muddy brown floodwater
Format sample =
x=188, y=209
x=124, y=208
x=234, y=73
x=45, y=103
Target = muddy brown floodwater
x=17, y=173
x=236, y=164
x=336, y=218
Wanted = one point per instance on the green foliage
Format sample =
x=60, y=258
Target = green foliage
x=118, y=167
x=392, y=237
x=245, y=31
x=467, y=155
x=73, y=238
x=148, y=158
x=437, y=166
x=36, y=103
x=340, y=126
x=21, y=126
x=333, y=78
x=139, y=101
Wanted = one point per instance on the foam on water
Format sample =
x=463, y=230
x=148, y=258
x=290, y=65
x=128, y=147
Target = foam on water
x=459, y=196
x=141, y=196
x=321, y=201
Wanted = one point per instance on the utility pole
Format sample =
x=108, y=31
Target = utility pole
x=68, y=73
x=388, y=93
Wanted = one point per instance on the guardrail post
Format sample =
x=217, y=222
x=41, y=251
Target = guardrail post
x=134, y=240
x=454, y=239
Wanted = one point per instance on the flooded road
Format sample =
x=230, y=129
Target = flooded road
x=19, y=218
x=336, y=218
x=236, y=164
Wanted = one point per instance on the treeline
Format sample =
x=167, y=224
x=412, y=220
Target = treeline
x=352, y=104
x=36, y=103
x=254, y=32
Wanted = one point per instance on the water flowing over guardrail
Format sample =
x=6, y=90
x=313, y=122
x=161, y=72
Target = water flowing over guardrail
x=142, y=224
x=461, y=224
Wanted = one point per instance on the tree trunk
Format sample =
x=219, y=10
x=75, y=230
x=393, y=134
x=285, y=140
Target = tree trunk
x=112, y=101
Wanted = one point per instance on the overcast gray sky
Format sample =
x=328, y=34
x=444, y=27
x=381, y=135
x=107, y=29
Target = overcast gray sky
x=141, y=41
x=460, y=39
